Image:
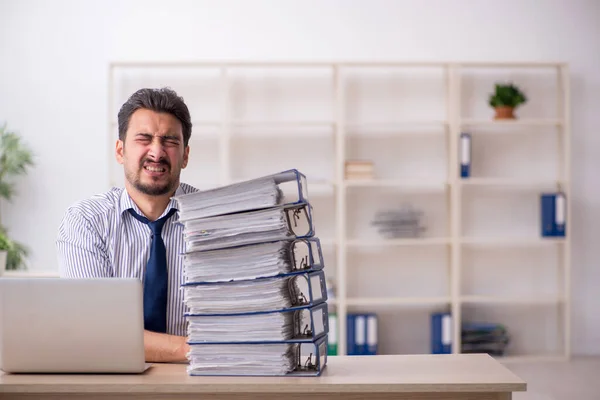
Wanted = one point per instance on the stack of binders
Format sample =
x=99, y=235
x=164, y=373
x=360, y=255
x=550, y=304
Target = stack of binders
x=254, y=284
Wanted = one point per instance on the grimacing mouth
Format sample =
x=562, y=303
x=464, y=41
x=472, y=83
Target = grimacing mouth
x=160, y=166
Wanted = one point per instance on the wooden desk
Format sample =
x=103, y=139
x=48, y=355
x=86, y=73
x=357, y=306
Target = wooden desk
x=422, y=377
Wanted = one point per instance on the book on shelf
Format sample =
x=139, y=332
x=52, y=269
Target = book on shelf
x=490, y=338
x=359, y=169
x=254, y=285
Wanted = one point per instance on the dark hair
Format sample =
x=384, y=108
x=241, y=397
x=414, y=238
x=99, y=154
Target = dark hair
x=159, y=100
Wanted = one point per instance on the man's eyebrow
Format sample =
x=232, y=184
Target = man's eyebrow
x=172, y=137
x=163, y=137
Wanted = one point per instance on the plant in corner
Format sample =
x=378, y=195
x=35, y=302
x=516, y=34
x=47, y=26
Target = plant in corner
x=505, y=99
x=15, y=158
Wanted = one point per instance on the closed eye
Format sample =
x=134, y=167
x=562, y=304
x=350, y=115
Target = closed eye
x=143, y=137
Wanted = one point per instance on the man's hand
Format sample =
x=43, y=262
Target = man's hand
x=160, y=347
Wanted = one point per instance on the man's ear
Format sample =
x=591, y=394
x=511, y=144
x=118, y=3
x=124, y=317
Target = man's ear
x=119, y=151
x=186, y=156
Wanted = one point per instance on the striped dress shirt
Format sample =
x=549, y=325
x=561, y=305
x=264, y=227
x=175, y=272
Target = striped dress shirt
x=98, y=237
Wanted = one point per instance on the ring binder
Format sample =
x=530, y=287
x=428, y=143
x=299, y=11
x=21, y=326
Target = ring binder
x=293, y=325
x=300, y=358
x=262, y=260
x=262, y=294
x=281, y=189
x=225, y=231
x=254, y=283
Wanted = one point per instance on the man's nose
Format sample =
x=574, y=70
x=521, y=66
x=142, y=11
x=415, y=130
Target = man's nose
x=157, y=149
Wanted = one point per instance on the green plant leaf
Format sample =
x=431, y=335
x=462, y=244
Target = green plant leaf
x=6, y=190
x=507, y=94
x=15, y=158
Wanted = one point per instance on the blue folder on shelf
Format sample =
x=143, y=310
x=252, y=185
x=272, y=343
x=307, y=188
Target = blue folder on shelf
x=553, y=214
x=441, y=333
x=465, y=155
x=361, y=334
x=281, y=189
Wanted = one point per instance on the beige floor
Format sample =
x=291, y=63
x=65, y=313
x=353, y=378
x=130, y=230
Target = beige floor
x=578, y=379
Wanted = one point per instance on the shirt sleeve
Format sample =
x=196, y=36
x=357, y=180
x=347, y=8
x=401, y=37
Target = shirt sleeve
x=81, y=250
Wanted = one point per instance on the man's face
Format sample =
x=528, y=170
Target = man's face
x=153, y=153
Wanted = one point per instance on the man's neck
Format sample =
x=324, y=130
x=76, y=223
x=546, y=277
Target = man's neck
x=151, y=206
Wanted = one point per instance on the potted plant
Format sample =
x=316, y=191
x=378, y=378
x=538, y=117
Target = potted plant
x=15, y=158
x=12, y=254
x=4, y=247
x=505, y=99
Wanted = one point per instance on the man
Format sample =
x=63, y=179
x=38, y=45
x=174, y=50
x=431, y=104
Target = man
x=130, y=232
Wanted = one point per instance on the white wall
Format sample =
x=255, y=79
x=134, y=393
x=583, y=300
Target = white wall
x=53, y=83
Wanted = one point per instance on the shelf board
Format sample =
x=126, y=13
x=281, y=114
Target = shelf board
x=396, y=301
x=524, y=122
x=516, y=300
x=511, y=241
x=513, y=183
x=398, y=242
x=400, y=126
x=416, y=185
x=281, y=124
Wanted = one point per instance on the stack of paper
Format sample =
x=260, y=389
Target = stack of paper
x=254, y=284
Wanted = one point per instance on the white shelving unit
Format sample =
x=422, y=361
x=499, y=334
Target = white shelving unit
x=481, y=257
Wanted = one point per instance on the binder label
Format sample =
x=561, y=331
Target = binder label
x=465, y=153
x=319, y=324
x=333, y=328
x=316, y=288
x=560, y=209
x=372, y=330
x=446, y=330
x=360, y=329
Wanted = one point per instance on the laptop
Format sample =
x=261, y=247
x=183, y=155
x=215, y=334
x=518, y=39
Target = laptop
x=92, y=325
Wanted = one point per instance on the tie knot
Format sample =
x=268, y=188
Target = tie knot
x=155, y=226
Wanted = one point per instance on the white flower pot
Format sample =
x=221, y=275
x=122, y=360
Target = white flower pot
x=3, y=254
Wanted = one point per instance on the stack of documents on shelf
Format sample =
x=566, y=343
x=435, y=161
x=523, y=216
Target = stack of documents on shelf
x=484, y=338
x=359, y=169
x=254, y=284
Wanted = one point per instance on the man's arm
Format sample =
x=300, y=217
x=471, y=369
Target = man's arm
x=160, y=347
x=81, y=250
x=82, y=254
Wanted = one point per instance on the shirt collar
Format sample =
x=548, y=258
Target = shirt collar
x=126, y=202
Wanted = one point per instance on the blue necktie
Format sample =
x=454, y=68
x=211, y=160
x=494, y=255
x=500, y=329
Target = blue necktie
x=157, y=279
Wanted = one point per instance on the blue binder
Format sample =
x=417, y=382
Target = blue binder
x=465, y=155
x=372, y=334
x=361, y=334
x=553, y=214
x=351, y=348
x=441, y=333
